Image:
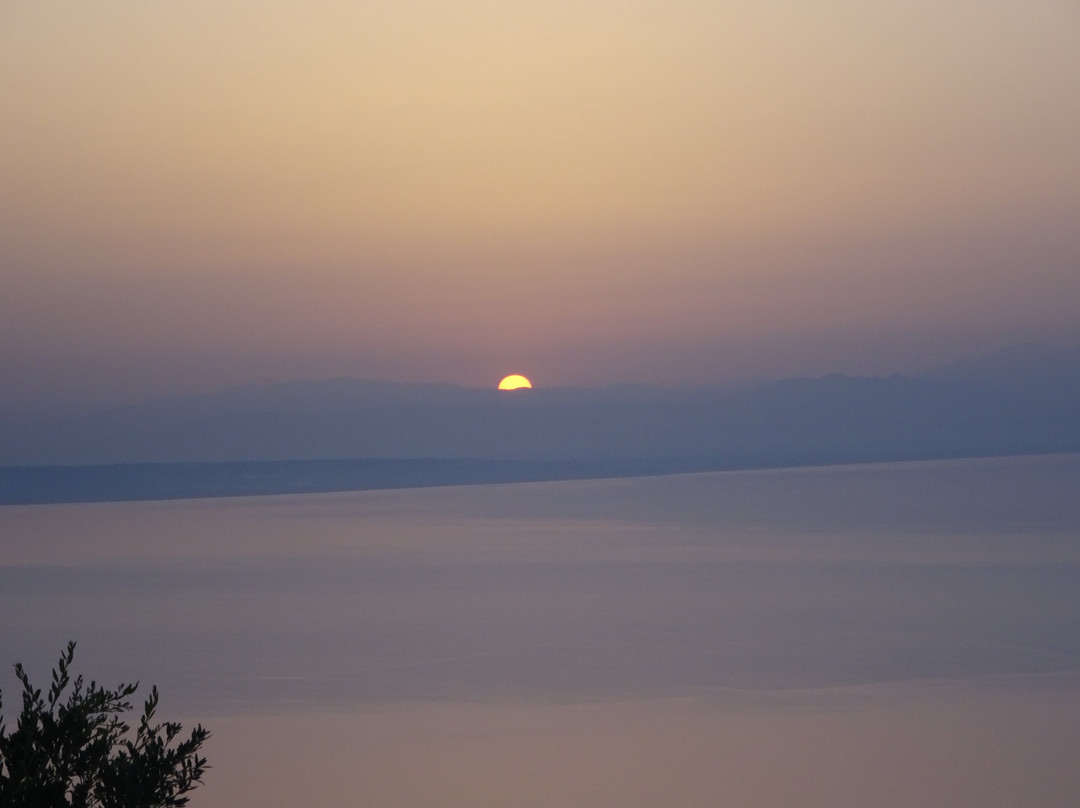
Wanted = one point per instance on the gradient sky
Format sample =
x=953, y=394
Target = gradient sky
x=197, y=193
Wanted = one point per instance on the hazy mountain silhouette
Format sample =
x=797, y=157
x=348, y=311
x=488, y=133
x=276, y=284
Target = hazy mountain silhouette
x=1020, y=364
x=1022, y=400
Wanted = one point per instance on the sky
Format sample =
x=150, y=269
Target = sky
x=199, y=194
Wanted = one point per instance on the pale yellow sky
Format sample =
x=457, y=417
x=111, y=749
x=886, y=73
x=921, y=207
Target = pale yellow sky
x=201, y=192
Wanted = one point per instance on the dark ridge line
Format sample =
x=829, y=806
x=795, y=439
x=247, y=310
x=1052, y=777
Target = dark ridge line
x=141, y=482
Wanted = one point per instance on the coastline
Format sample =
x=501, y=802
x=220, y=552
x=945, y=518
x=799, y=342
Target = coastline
x=139, y=482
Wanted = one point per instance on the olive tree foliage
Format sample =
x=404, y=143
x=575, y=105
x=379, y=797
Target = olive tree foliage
x=71, y=749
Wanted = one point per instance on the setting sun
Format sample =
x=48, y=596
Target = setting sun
x=514, y=382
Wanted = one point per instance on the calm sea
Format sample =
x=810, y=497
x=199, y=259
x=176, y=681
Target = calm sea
x=901, y=634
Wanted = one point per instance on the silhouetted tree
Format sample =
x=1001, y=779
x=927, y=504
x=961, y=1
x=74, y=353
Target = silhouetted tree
x=74, y=751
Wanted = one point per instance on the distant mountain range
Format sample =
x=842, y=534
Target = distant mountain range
x=1019, y=401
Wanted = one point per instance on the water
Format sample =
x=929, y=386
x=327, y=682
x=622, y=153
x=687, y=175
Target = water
x=817, y=637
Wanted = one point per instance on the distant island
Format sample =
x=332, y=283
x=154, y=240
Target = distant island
x=350, y=434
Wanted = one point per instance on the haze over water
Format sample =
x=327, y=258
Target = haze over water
x=225, y=227
x=892, y=635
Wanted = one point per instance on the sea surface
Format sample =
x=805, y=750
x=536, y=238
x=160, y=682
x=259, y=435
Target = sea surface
x=901, y=634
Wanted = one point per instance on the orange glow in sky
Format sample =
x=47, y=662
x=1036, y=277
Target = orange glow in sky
x=203, y=194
